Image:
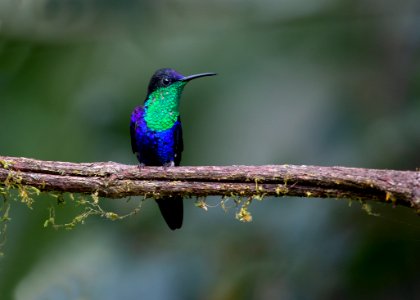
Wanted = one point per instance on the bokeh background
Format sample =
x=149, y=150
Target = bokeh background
x=325, y=82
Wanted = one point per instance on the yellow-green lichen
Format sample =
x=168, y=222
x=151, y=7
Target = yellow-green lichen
x=201, y=203
x=282, y=189
x=390, y=197
x=4, y=220
x=25, y=193
x=243, y=214
x=223, y=203
x=257, y=187
x=368, y=209
x=5, y=164
x=90, y=206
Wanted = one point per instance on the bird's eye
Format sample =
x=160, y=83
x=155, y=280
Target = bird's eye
x=165, y=81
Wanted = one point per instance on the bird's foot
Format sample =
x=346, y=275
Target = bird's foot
x=168, y=165
x=140, y=166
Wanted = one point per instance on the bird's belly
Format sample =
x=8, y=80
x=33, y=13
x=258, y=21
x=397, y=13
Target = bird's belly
x=156, y=148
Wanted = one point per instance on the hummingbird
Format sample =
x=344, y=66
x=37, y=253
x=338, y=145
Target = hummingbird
x=156, y=132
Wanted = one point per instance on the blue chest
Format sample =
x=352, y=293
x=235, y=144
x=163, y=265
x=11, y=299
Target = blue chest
x=155, y=148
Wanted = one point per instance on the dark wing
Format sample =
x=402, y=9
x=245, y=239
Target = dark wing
x=179, y=143
x=133, y=136
x=136, y=116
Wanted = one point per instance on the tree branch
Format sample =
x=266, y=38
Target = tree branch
x=116, y=180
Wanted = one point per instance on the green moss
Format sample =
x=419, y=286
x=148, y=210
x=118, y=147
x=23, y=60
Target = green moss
x=5, y=164
x=223, y=205
x=368, y=209
x=243, y=214
x=90, y=206
x=201, y=203
x=4, y=220
x=25, y=193
x=390, y=197
x=282, y=190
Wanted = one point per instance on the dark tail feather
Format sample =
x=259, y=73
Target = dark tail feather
x=172, y=210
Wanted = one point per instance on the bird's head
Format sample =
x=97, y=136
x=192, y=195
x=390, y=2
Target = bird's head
x=164, y=78
x=163, y=95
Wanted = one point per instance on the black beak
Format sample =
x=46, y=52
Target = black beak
x=191, y=77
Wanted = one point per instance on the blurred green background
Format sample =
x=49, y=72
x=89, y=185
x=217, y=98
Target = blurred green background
x=325, y=82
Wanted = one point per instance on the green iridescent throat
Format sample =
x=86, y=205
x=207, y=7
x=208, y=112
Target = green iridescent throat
x=162, y=107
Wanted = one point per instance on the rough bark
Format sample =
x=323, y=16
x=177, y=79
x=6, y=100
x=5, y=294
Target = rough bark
x=114, y=180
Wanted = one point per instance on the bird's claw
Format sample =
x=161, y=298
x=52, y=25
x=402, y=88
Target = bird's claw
x=168, y=165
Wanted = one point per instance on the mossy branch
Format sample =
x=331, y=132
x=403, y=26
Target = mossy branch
x=114, y=180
